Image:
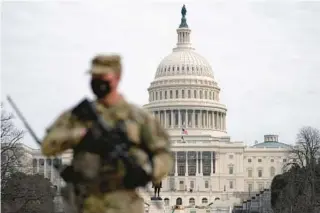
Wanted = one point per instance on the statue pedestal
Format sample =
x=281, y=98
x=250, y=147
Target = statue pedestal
x=156, y=206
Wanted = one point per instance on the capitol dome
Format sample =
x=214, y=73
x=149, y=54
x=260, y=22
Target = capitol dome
x=184, y=94
x=182, y=62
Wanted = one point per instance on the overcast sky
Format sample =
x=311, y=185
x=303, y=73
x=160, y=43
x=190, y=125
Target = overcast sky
x=265, y=57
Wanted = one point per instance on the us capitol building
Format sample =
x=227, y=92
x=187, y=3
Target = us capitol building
x=209, y=167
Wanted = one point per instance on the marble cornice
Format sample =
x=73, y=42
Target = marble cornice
x=184, y=105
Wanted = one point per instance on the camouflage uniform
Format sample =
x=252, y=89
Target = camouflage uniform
x=142, y=128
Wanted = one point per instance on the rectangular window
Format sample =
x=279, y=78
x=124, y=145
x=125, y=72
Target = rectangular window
x=230, y=170
x=259, y=173
x=192, y=184
x=231, y=184
x=249, y=173
x=250, y=187
x=260, y=186
x=206, y=184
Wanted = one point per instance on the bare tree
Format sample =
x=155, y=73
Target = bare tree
x=299, y=191
x=11, y=152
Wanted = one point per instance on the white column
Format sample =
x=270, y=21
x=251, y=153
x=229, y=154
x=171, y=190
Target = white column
x=186, y=118
x=211, y=164
x=207, y=121
x=193, y=118
x=176, y=169
x=45, y=168
x=197, y=162
x=179, y=116
x=187, y=173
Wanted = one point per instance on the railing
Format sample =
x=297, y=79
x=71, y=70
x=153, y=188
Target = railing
x=260, y=203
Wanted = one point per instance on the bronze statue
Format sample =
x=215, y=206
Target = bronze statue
x=157, y=187
x=183, y=11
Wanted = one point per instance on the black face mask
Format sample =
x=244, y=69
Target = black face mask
x=100, y=87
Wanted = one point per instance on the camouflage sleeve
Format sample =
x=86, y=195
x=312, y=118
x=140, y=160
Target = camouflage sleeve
x=157, y=142
x=63, y=134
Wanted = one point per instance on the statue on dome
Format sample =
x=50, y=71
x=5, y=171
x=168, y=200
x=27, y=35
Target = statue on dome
x=183, y=23
x=183, y=11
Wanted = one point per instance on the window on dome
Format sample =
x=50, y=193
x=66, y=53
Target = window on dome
x=205, y=94
x=182, y=93
x=192, y=68
x=187, y=68
x=200, y=94
x=170, y=94
x=165, y=94
x=197, y=68
x=182, y=68
x=168, y=68
x=177, y=68
x=213, y=96
x=177, y=94
x=165, y=69
x=172, y=68
x=189, y=94
x=156, y=95
x=160, y=95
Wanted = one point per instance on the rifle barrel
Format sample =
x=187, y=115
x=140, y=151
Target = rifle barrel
x=24, y=121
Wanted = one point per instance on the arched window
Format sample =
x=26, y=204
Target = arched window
x=204, y=200
x=179, y=201
x=192, y=201
x=166, y=201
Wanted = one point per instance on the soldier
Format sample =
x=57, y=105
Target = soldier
x=152, y=150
